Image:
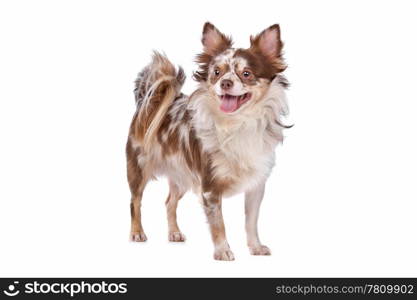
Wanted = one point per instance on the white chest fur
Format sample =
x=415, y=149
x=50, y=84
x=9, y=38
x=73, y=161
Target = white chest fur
x=243, y=156
x=241, y=145
x=241, y=151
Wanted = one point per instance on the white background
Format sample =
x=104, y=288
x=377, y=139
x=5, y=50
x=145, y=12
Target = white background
x=340, y=202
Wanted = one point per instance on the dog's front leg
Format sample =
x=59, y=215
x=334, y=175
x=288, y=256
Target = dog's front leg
x=253, y=199
x=212, y=203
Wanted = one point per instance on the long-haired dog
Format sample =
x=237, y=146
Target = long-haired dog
x=219, y=141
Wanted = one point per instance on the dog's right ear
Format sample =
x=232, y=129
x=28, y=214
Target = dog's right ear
x=214, y=41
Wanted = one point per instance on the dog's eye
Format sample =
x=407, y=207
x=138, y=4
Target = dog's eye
x=216, y=72
x=246, y=74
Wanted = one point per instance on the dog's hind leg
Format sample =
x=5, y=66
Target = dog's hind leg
x=175, y=194
x=137, y=234
x=253, y=201
x=137, y=183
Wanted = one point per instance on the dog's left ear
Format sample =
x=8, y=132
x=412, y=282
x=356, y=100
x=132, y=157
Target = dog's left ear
x=268, y=42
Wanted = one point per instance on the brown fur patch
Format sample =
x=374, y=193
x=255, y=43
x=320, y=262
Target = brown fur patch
x=223, y=69
x=134, y=172
x=209, y=182
x=192, y=152
x=170, y=130
x=221, y=44
x=170, y=145
x=250, y=80
x=259, y=64
x=132, y=210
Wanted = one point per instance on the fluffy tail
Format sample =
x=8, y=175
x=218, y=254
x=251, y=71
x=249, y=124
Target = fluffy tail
x=157, y=86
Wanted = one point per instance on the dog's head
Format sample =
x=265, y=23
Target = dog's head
x=237, y=77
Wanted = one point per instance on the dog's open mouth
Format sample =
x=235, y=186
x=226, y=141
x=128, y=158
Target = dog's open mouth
x=230, y=103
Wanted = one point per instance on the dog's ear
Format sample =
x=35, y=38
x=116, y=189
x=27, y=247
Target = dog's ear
x=268, y=42
x=213, y=40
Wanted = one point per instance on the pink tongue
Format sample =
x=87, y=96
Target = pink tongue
x=229, y=104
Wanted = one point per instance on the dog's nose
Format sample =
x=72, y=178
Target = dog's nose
x=226, y=84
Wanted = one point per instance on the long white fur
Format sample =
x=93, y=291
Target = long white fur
x=246, y=150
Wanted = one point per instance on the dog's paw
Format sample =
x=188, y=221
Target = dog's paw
x=224, y=254
x=176, y=236
x=259, y=250
x=138, y=237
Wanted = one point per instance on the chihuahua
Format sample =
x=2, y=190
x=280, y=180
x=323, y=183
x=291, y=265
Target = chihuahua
x=217, y=142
